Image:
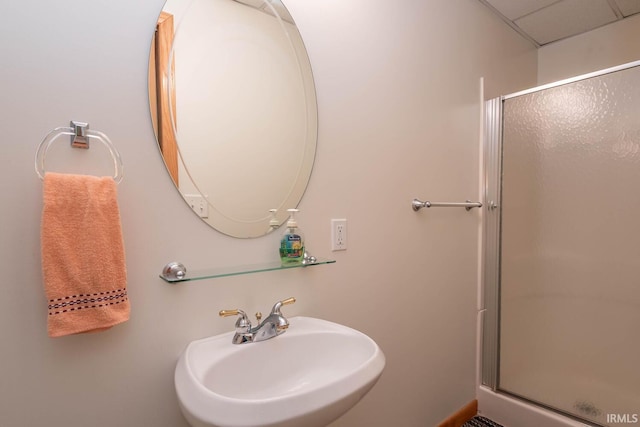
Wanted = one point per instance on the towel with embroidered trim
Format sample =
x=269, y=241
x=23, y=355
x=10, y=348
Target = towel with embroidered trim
x=83, y=261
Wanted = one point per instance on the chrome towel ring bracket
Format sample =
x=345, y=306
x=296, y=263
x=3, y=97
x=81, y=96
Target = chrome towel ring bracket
x=81, y=137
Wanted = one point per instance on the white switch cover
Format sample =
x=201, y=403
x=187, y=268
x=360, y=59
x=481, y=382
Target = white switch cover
x=198, y=204
x=338, y=234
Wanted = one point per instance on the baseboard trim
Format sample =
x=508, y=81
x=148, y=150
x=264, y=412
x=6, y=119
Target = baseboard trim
x=463, y=415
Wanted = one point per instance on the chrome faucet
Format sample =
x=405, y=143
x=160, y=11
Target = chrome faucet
x=273, y=325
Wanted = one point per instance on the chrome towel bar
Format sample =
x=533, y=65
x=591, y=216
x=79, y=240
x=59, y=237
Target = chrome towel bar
x=468, y=205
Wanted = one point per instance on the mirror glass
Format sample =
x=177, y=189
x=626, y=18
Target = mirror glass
x=234, y=110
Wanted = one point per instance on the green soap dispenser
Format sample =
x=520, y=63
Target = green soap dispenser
x=292, y=242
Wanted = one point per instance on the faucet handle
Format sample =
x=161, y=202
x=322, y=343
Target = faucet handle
x=276, y=307
x=288, y=301
x=243, y=324
x=226, y=313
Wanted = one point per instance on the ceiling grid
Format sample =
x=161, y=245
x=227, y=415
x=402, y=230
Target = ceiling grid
x=546, y=21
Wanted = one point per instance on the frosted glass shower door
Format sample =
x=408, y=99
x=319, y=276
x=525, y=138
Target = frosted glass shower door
x=570, y=248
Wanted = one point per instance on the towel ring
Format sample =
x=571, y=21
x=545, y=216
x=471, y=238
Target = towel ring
x=80, y=137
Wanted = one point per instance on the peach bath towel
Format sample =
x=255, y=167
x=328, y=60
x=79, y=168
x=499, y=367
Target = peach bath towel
x=83, y=260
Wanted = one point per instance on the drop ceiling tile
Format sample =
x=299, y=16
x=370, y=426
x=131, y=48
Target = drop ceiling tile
x=629, y=7
x=566, y=18
x=516, y=9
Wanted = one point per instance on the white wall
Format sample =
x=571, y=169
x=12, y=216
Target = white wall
x=605, y=47
x=399, y=117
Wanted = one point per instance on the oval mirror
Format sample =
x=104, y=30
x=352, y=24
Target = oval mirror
x=234, y=110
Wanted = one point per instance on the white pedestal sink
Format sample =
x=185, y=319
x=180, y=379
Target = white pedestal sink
x=306, y=377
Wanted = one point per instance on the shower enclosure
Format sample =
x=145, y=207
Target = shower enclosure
x=561, y=325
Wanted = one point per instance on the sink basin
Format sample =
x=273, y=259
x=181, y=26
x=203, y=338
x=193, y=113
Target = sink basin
x=306, y=377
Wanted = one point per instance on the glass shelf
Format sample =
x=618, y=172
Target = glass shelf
x=213, y=273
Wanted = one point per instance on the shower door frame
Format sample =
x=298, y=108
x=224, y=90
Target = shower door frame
x=492, y=236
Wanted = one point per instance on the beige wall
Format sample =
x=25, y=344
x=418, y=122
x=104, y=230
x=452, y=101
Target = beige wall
x=399, y=118
x=605, y=47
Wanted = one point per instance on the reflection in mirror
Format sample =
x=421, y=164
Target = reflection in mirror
x=234, y=110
